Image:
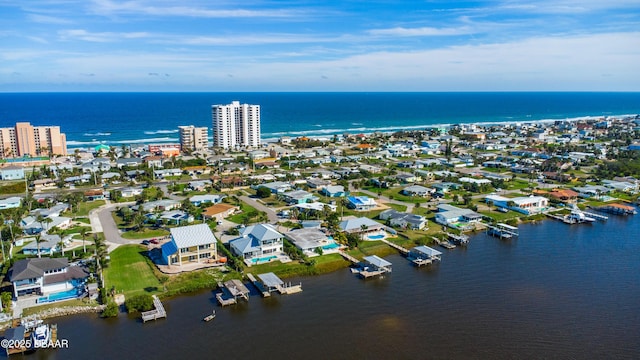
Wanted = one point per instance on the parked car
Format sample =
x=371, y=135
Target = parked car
x=145, y=242
x=154, y=241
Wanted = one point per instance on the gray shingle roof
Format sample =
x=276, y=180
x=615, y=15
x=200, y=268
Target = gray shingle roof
x=33, y=268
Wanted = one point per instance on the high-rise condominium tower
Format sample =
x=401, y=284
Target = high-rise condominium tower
x=25, y=139
x=193, y=138
x=236, y=125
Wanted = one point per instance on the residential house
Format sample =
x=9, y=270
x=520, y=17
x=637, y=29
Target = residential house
x=361, y=203
x=176, y=217
x=310, y=240
x=276, y=187
x=297, y=197
x=197, y=200
x=95, y=194
x=361, y=225
x=12, y=172
x=46, y=277
x=528, y=205
x=407, y=178
x=10, y=202
x=219, y=211
x=417, y=190
x=131, y=191
x=43, y=184
x=334, y=191
x=592, y=191
x=257, y=241
x=47, y=246
x=162, y=205
x=457, y=218
x=190, y=244
x=316, y=183
x=564, y=195
x=199, y=185
x=403, y=219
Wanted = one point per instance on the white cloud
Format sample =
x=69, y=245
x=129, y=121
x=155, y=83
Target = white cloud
x=422, y=31
x=108, y=8
x=84, y=35
x=46, y=19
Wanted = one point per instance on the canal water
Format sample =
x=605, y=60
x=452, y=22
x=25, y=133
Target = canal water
x=557, y=291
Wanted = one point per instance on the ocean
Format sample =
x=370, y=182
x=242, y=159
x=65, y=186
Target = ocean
x=89, y=119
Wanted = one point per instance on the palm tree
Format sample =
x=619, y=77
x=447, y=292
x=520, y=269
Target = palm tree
x=38, y=241
x=363, y=229
x=83, y=233
x=61, y=246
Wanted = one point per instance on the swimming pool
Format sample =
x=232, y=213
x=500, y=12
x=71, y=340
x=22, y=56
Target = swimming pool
x=375, y=237
x=330, y=246
x=64, y=295
x=263, y=259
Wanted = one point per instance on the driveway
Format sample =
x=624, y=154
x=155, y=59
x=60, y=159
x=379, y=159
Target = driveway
x=271, y=214
x=102, y=220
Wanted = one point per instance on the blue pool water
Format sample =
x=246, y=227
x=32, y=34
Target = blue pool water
x=65, y=295
x=330, y=246
x=375, y=237
x=262, y=259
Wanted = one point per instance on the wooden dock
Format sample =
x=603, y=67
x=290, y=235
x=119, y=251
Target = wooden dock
x=370, y=273
x=156, y=313
x=458, y=239
x=396, y=246
x=224, y=302
x=596, y=216
x=445, y=244
x=349, y=257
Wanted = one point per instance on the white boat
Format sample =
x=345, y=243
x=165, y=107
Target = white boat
x=41, y=334
x=577, y=216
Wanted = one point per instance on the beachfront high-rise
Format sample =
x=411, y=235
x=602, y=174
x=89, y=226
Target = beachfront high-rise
x=26, y=140
x=193, y=138
x=236, y=125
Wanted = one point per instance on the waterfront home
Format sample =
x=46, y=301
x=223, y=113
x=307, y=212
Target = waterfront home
x=309, y=240
x=361, y=225
x=528, y=205
x=457, y=218
x=190, y=244
x=623, y=186
x=417, y=190
x=592, y=191
x=12, y=172
x=257, y=241
x=197, y=200
x=219, y=211
x=403, y=219
x=334, y=191
x=10, y=203
x=46, y=277
x=564, y=195
x=361, y=203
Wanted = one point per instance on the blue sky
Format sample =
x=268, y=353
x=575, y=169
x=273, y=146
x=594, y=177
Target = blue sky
x=198, y=45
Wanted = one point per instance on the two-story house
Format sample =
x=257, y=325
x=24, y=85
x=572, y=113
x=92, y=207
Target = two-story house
x=190, y=244
x=51, y=278
x=257, y=241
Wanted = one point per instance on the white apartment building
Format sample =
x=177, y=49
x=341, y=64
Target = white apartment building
x=193, y=138
x=236, y=125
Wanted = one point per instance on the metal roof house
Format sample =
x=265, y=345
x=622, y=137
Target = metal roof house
x=190, y=244
x=356, y=225
x=256, y=241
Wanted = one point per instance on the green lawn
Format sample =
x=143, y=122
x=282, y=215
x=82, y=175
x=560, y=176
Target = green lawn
x=84, y=207
x=323, y=264
x=130, y=272
x=244, y=210
x=146, y=233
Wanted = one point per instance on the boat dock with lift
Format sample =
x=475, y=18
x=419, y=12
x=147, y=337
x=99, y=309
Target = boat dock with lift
x=156, y=313
x=231, y=291
x=372, y=266
x=29, y=334
x=270, y=282
x=461, y=240
x=423, y=255
x=502, y=231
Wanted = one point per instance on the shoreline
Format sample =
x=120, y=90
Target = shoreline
x=327, y=133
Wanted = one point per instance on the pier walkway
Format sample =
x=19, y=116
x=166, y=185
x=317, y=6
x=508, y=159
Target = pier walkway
x=396, y=246
x=349, y=257
x=156, y=313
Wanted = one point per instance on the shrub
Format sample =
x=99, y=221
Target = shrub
x=111, y=310
x=137, y=303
